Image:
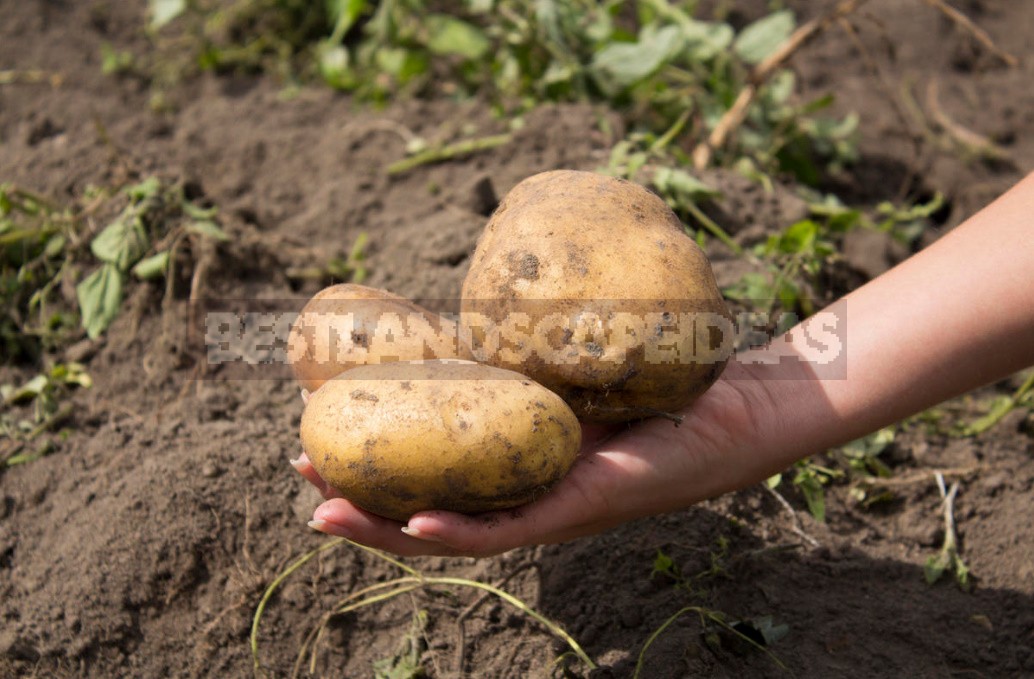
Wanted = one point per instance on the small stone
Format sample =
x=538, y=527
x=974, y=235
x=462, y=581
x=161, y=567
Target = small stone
x=209, y=470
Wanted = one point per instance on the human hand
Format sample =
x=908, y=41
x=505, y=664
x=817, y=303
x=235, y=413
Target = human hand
x=622, y=473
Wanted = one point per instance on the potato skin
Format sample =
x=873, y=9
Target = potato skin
x=348, y=325
x=611, y=259
x=399, y=438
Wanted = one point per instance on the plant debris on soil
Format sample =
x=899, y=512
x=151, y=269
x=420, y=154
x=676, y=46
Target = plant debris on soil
x=142, y=544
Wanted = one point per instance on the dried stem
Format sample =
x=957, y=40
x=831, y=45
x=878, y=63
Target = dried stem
x=971, y=141
x=917, y=477
x=735, y=116
x=967, y=25
x=796, y=520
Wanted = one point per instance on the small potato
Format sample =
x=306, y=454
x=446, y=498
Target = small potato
x=349, y=325
x=399, y=438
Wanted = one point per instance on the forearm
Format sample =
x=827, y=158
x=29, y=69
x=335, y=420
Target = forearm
x=956, y=316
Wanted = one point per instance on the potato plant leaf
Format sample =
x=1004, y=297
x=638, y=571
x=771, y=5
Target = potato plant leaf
x=449, y=35
x=209, y=229
x=122, y=243
x=761, y=38
x=706, y=40
x=152, y=267
x=164, y=11
x=683, y=184
x=26, y=392
x=623, y=64
x=344, y=13
x=100, y=295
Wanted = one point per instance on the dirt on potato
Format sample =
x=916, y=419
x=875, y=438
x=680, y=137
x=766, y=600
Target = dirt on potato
x=141, y=546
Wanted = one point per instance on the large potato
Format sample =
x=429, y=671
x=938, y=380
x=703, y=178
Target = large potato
x=399, y=438
x=589, y=285
x=349, y=325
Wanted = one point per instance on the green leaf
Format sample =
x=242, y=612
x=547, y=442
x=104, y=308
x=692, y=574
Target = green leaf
x=402, y=64
x=343, y=13
x=122, y=243
x=814, y=493
x=356, y=254
x=151, y=267
x=789, y=294
x=662, y=563
x=623, y=64
x=28, y=391
x=800, y=237
x=449, y=35
x=752, y=286
x=55, y=246
x=100, y=296
x=774, y=481
x=45, y=448
x=148, y=188
x=706, y=40
x=934, y=568
x=780, y=87
x=668, y=179
x=164, y=11
x=764, y=36
x=71, y=373
x=209, y=229
x=334, y=62
x=200, y=213
x=768, y=630
x=816, y=105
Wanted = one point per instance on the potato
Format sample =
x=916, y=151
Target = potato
x=349, y=325
x=590, y=286
x=398, y=438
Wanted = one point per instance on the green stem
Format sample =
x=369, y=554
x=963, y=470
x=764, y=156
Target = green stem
x=989, y=420
x=301, y=561
x=657, y=632
x=713, y=617
x=713, y=228
x=521, y=606
x=787, y=271
x=374, y=594
x=662, y=142
x=448, y=152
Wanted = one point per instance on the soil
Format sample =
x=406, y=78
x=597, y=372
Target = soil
x=142, y=546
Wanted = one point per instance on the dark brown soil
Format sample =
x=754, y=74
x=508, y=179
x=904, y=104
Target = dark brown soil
x=142, y=546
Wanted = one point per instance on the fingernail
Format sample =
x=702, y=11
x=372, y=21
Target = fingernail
x=416, y=533
x=305, y=397
x=317, y=524
x=296, y=463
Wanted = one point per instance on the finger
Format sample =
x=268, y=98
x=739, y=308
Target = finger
x=489, y=534
x=342, y=518
x=606, y=487
x=593, y=434
x=576, y=507
x=304, y=467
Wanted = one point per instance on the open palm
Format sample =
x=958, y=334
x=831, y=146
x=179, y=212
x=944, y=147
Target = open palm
x=622, y=473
